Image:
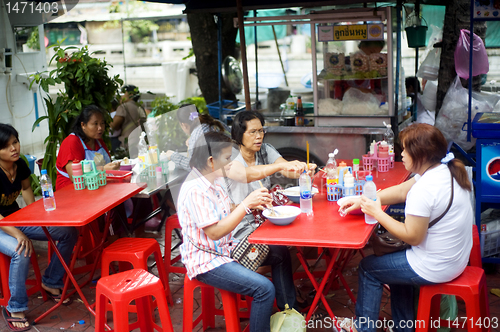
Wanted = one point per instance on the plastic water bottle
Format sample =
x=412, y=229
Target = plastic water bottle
x=389, y=138
x=305, y=193
x=331, y=170
x=370, y=191
x=49, y=202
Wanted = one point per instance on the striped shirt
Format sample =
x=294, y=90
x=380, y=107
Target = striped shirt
x=201, y=204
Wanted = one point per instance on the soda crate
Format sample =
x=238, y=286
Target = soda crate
x=490, y=243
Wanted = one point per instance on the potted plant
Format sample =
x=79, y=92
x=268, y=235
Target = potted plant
x=85, y=81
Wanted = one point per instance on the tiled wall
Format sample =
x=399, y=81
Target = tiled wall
x=17, y=102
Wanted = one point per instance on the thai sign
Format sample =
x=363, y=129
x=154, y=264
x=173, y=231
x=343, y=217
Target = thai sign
x=328, y=33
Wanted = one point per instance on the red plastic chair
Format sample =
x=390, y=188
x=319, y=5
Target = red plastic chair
x=208, y=310
x=135, y=251
x=470, y=286
x=171, y=224
x=36, y=284
x=125, y=287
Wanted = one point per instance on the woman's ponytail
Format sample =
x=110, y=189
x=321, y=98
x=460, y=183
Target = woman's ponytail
x=458, y=171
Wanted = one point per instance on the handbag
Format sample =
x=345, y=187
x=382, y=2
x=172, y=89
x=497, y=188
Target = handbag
x=384, y=242
x=250, y=255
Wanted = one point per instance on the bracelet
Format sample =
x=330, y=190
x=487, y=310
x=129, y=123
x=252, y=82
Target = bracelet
x=247, y=210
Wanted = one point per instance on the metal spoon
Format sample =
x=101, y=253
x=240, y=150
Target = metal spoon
x=273, y=212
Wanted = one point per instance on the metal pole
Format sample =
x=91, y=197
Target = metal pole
x=256, y=65
x=219, y=62
x=279, y=54
x=471, y=39
x=399, y=8
x=243, y=49
x=123, y=53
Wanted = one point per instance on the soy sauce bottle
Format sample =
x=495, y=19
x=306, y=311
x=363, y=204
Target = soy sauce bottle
x=299, y=113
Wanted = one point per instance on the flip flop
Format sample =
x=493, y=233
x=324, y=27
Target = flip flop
x=56, y=298
x=9, y=320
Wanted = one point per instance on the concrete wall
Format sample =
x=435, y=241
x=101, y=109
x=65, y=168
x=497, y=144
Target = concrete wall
x=17, y=103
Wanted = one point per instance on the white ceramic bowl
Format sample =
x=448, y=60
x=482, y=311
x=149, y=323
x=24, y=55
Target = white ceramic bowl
x=293, y=193
x=341, y=201
x=288, y=214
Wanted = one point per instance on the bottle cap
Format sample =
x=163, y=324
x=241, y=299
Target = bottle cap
x=355, y=161
x=44, y=171
x=158, y=169
x=369, y=178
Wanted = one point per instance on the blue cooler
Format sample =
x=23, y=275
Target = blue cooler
x=31, y=161
x=486, y=129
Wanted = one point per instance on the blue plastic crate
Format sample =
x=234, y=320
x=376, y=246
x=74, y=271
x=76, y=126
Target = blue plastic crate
x=228, y=107
x=31, y=161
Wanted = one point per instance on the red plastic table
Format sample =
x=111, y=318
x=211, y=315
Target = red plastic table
x=75, y=208
x=327, y=229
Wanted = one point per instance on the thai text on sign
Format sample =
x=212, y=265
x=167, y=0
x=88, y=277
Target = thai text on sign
x=351, y=32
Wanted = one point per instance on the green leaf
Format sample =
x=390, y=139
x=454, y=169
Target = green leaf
x=78, y=104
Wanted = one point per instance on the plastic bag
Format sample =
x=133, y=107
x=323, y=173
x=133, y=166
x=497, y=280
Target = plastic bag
x=288, y=320
x=480, y=63
x=429, y=69
x=454, y=112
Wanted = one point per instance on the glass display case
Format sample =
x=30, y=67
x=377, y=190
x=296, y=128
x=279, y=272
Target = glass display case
x=352, y=66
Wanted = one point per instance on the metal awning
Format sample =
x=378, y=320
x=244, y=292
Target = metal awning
x=219, y=6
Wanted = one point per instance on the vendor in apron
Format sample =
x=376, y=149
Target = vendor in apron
x=85, y=143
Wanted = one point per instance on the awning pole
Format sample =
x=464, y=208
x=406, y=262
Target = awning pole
x=279, y=54
x=243, y=49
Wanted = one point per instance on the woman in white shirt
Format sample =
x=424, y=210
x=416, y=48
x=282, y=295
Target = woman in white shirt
x=438, y=254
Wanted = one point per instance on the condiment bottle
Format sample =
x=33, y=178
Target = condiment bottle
x=299, y=114
x=341, y=166
x=159, y=177
x=355, y=168
x=77, y=168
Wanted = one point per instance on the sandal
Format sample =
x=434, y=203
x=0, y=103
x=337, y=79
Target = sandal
x=57, y=298
x=314, y=317
x=9, y=320
x=343, y=325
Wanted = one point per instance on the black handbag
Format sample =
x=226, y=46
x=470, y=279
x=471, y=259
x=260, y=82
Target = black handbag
x=384, y=242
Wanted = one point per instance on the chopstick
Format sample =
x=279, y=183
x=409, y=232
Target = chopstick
x=271, y=208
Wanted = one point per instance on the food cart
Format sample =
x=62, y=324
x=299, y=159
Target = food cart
x=354, y=90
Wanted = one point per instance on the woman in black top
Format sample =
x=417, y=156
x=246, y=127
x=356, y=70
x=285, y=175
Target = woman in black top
x=16, y=241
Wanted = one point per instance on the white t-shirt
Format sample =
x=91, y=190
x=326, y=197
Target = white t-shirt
x=444, y=253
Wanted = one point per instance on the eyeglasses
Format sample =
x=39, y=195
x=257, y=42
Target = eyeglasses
x=261, y=132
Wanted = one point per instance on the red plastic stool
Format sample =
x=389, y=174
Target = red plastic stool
x=124, y=287
x=136, y=252
x=36, y=284
x=208, y=310
x=470, y=286
x=171, y=224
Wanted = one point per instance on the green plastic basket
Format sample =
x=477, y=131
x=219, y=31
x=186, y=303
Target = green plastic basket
x=79, y=182
x=92, y=180
x=102, y=178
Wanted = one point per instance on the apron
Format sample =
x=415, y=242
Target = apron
x=89, y=155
